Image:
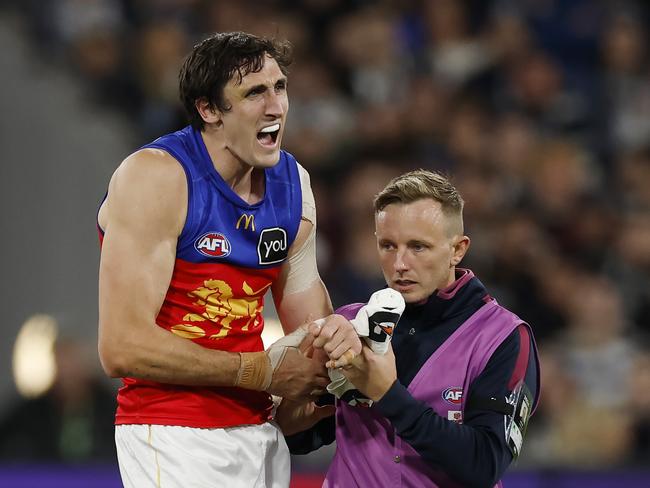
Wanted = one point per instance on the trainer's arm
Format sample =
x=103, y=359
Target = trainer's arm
x=321, y=434
x=142, y=219
x=474, y=453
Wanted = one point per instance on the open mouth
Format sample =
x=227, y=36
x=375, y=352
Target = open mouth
x=268, y=136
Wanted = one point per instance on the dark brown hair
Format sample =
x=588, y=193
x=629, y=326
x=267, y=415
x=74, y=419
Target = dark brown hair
x=214, y=61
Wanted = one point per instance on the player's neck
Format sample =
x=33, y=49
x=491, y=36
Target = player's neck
x=247, y=183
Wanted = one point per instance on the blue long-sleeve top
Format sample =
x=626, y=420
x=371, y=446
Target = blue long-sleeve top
x=474, y=453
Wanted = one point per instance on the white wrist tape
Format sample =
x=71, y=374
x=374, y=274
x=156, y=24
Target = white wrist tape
x=256, y=368
x=278, y=349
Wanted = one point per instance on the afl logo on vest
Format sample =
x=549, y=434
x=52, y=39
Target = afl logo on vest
x=453, y=395
x=272, y=246
x=213, y=244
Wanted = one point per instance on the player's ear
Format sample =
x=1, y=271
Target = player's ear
x=208, y=113
x=460, y=247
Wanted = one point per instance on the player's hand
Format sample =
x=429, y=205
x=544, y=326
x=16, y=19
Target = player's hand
x=372, y=374
x=294, y=417
x=337, y=337
x=287, y=368
x=297, y=376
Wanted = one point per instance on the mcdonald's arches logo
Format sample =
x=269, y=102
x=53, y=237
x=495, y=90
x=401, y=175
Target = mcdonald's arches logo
x=248, y=221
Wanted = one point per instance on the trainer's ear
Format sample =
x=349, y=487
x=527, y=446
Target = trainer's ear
x=209, y=114
x=460, y=247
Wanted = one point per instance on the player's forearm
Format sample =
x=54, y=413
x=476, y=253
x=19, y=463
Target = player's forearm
x=299, y=308
x=469, y=455
x=157, y=355
x=152, y=353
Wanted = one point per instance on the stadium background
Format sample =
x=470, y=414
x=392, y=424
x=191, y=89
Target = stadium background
x=540, y=109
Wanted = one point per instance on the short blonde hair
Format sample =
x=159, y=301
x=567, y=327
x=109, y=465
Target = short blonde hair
x=420, y=184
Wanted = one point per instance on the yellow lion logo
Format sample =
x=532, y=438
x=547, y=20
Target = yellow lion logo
x=222, y=308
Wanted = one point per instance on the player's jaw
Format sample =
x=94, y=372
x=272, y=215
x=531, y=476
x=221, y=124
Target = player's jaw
x=258, y=146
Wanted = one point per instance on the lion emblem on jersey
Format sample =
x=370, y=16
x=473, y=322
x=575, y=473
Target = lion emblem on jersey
x=223, y=309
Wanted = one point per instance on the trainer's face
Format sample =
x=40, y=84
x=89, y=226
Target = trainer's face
x=417, y=251
x=254, y=125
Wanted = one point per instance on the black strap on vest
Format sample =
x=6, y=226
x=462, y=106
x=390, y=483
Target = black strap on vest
x=492, y=404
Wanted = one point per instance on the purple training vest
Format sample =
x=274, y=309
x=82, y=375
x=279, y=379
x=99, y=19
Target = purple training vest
x=369, y=453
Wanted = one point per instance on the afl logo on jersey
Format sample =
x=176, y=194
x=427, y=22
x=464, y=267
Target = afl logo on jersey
x=213, y=244
x=453, y=395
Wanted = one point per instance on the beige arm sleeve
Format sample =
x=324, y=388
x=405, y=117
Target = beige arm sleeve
x=302, y=268
x=308, y=202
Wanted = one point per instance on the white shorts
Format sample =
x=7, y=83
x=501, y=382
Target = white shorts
x=167, y=456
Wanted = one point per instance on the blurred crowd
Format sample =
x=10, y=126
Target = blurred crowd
x=71, y=422
x=538, y=109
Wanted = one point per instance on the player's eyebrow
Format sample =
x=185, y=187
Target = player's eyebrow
x=260, y=87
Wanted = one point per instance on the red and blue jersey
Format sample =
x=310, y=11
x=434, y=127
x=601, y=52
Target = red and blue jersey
x=228, y=255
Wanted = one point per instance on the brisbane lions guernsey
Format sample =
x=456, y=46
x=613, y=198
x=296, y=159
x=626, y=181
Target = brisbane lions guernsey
x=227, y=256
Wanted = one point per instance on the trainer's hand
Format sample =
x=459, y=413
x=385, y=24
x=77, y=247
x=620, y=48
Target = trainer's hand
x=338, y=338
x=294, y=417
x=372, y=374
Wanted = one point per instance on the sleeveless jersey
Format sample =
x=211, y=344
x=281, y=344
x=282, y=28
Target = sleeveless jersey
x=228, y=255
x=368, y=450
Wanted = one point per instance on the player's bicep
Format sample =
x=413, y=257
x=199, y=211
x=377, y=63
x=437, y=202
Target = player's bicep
x=134, y=272
x=146, y=202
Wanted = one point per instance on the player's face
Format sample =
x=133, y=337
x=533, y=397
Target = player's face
x=416, y=252
x=254, y=125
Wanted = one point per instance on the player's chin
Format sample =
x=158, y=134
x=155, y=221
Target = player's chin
x=266, y=162
x=268, y=158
